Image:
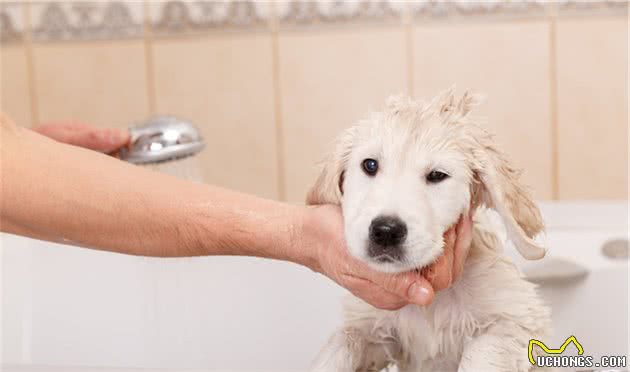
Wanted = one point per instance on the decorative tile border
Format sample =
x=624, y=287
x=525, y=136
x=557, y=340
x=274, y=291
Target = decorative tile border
x=302, y=12
x=620, y=4
x=106, y=20
x=86, y=20
x=311, y=12
x=601, y=7
x=11, y=22
x=481, y=10
x=486, y=7
x=178, y=16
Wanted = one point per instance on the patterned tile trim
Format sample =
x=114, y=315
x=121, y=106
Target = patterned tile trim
x=98, y=20
x=572, y=7
x=178, y=16
x=302, y=12
x=86, y=20
x=308, y=12
x=11, y=22
x=483, y=8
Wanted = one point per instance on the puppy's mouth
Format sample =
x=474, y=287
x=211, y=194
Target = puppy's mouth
x=401, y=258
x=391, y=265
x=385, y=254
x=384, y=259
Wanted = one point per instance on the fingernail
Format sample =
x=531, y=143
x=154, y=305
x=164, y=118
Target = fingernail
x=419, y=294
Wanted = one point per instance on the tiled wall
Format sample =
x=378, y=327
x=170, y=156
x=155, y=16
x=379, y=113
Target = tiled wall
x=270, y=84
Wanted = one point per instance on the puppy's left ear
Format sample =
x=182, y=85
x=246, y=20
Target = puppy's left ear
x=328, y=189
x=500, y=189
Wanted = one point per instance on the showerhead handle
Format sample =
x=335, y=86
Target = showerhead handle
x=161, y=138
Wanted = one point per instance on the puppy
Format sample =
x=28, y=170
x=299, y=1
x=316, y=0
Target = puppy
x=403, y=176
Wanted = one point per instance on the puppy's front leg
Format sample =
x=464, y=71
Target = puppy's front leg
x=349, y=350
x=503, y=348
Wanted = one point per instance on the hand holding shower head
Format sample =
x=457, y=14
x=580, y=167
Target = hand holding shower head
x=160, y=139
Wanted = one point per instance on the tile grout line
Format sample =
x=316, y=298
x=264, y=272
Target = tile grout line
x=553, y=91
x=26, y=347
x=30, y=63
x=408, y=28
x=277, y=97
x=148, y=58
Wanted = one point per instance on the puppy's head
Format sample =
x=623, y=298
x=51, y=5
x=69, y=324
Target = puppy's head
x=403, y=176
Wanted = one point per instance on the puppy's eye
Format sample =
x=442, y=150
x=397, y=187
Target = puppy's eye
x=436, y=176
x=370, y=166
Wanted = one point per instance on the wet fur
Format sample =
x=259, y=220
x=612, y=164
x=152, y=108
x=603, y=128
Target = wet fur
x=484, y=321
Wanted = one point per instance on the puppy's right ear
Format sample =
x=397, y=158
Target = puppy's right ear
x=328, y=189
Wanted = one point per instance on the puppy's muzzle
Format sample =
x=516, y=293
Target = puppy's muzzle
x=387, y=234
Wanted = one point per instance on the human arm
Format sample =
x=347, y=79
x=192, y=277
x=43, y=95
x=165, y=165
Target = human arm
x=68, y=194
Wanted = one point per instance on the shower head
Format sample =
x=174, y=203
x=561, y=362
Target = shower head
x=160, y=139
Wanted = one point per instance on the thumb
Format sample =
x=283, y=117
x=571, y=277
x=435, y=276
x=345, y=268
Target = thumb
x=411, y=286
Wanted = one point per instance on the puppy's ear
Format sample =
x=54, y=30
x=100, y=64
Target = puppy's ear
x=498, y=187
x=449, y=105
x=328, y=189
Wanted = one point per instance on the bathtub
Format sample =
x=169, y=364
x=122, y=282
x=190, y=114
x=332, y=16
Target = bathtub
x=71, y=309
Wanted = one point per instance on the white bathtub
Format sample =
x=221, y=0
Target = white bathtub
x=64, y=306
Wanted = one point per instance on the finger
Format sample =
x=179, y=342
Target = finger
x=58, y=132
x=462, y=244
x=411, y=286
x=440, y=274
x=434, y=273
x=83, y=135
x=105, y=140
x=420, y=292
x=373, y=294
x=381, y=299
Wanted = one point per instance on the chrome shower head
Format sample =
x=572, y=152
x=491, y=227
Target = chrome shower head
x=161, y=138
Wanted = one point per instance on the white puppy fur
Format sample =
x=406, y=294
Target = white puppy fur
x=484, y=321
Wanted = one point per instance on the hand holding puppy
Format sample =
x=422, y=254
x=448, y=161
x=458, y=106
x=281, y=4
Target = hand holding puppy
x=383, y=290
x=324, y=231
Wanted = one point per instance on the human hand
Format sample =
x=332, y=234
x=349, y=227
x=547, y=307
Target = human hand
x=450, y=265
x=324, y=234
x=79, y=134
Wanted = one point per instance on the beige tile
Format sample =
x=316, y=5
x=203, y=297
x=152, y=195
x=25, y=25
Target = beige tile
x=329, y=80
x=507, y=61
x=14, y=85
x=592, y=65
x=224, y=85
x=103, y=83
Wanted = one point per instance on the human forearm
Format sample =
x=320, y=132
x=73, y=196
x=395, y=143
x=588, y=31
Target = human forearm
x=67, y=194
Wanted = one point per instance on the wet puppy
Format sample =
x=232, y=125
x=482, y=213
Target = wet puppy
x=403, y=176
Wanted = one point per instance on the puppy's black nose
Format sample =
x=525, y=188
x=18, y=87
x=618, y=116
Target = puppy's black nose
x=387, y=231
